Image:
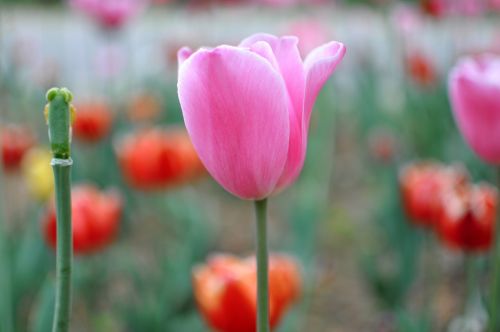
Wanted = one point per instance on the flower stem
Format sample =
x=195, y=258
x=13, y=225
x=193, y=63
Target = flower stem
x=471, y=270
x=6, y=314
x=495, y=284
x=62, y=176
x=262, y=267
x=59, y=115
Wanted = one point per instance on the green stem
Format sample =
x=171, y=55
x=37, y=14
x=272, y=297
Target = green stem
x=59, y=116
x=471, y=270
x=262, y=267
x=62, y=176
x=6, y=312
x=496, y=270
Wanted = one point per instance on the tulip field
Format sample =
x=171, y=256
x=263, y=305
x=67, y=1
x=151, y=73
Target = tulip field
x=249, y=165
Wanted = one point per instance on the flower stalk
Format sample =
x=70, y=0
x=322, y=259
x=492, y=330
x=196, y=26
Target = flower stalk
x=59, y=114
x=262, y=267
x=495, y=283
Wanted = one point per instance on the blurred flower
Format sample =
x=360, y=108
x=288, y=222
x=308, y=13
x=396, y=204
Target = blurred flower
x=38, y=173
x=435, y=8
x=92, y=122
x=494, y=4
x=247, y=109
x=144, y=107
x=407, y=19
x=95, y=219
x=311, y=34
x=469, y=7
x=110, y=60
x=467, y=221
x=157, y=158
x=474, y=88
x=15, y=140
x=110, y=13
x=226, y=288
x=383, y=145
x=421, y=69
x=422, y=186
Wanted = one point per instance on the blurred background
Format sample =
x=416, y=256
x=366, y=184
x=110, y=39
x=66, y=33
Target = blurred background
x=146, y=212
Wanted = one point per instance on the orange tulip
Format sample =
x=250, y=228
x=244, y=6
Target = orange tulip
x=157, y=158
x=226, y=291
x=93, y=121
x=144, y=107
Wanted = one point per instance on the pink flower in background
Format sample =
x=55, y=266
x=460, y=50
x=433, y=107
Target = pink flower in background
x=407, y=19
x=495, y=4
x=474, y=87
x=287, y=3
x=247, y=109
x=311, y=34
x=110, y=13
x=469, y=7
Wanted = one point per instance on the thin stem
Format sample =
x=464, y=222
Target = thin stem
x=471, y=270
x=62, y=176
x=262, y=267
x=496, y=270
x=6, y=312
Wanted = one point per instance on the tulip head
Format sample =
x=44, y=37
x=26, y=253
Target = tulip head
x=226, y=287
x=15, y=141
x=158, y=159
x=95, y=219
x=422, y=187
x=93, y=122
x=110, y=14
x=467, y=221
x=247, y=109
x=38, y=173
x=474, y=88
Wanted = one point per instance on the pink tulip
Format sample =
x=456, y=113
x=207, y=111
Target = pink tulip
x=247, y=109
x=494, y=4
x=474, y=86
x=311, y=34
x=109, y=13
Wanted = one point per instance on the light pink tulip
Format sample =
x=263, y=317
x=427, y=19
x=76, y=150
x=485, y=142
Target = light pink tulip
x=109, y=13
x=311, y=34
x=247, y=109
x=474, y=86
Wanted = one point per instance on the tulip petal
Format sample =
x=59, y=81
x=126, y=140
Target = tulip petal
x=287, y=55
x=319, y=65
x=183, y=54
x=235, y=109
x=474, y=94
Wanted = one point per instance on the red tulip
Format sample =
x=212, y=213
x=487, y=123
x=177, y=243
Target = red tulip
x=156, y=158
x=15, y=141
x=435, y=8
x=92, y=122
x=421, y=69
x=95, y=216
x=226, y=292
x=422, y=187
x=467, y=221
